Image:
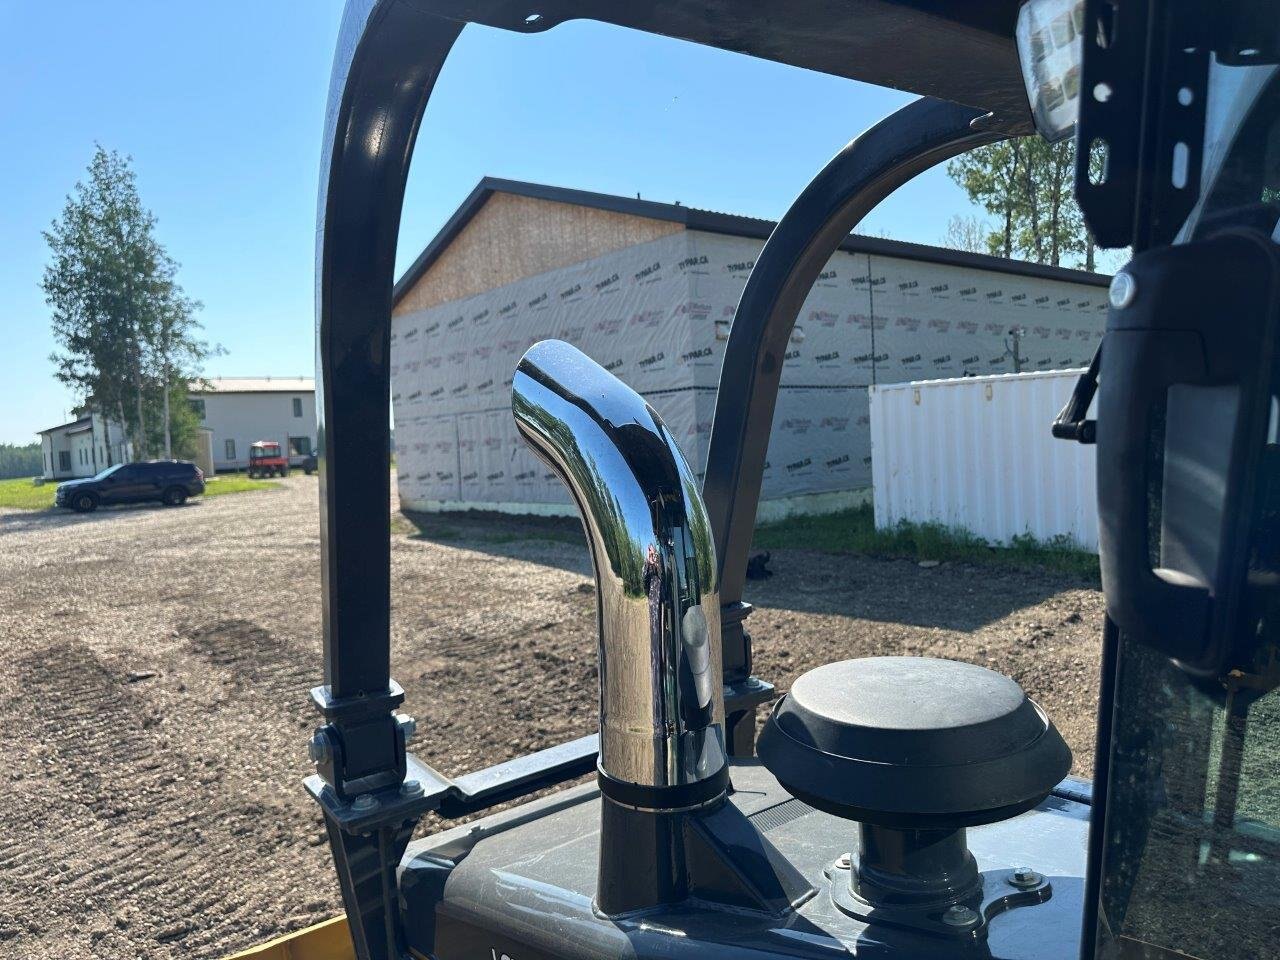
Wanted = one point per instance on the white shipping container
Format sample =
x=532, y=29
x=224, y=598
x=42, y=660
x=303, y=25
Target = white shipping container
x=976, y=453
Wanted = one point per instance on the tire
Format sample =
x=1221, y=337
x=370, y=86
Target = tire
x=84, y=503
x=174, y=497
x=253, y=474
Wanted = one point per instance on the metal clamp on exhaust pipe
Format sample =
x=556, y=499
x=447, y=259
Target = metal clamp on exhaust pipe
x=661, y=703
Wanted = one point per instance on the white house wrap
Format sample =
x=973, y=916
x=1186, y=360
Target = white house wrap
x=657, y=313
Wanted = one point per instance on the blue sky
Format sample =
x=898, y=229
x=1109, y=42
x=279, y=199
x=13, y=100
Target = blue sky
x=221, y=107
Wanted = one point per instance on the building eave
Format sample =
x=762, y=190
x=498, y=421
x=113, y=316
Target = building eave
x=85, y=422
x=711, y=221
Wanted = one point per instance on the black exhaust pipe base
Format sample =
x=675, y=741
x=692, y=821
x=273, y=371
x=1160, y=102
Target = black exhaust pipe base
x=712, y=853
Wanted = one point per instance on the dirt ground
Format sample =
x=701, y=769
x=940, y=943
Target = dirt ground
x=155, y=663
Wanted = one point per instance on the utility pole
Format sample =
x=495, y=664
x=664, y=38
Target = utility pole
x=1014, y=349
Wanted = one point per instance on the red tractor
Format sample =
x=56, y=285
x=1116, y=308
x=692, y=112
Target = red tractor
x=266, y=459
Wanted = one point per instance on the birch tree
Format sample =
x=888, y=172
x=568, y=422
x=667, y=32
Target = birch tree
x=126, y=332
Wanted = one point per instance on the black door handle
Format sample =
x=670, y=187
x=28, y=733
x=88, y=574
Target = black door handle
x=1188, y=347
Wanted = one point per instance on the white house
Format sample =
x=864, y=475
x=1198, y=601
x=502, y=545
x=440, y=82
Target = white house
x=242, y=410
x=83, y=447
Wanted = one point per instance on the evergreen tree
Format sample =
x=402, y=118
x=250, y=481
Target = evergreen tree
x=20, y=461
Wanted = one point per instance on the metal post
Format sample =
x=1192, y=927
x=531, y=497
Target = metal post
x=389, y=55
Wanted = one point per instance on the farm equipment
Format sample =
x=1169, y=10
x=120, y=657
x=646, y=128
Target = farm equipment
x=266, y=460
x=898, y=807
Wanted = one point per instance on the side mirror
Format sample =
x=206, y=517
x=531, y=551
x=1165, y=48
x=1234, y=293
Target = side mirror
x=1185, y=417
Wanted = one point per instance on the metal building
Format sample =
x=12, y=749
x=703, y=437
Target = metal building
x=649, y=290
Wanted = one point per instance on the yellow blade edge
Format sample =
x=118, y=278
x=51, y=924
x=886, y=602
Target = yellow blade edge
x=330, y=940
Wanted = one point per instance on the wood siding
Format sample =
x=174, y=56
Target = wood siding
x=513, y=237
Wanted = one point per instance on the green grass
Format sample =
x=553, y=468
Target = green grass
x=24, y=494
x=849, y=531
x=854, y=531
x=481, y=527
x=235, y=483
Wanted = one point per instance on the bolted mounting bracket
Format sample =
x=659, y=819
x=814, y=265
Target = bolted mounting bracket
x=965, y=918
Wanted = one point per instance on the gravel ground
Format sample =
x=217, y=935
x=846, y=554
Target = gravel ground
x=154, y=668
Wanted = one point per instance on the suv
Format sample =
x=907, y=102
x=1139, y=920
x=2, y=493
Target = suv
x=169, y=481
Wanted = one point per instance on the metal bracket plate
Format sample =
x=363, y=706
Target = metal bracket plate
x=966, y=920
x=1140, y=134
x=427, y=790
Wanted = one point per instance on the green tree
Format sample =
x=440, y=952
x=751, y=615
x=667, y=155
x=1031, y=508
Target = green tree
x=126, y=332
x=1026, y=184
x=20, y=461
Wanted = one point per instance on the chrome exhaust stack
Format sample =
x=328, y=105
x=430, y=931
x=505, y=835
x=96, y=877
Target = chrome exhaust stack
x=667, y=832
x=661, y=701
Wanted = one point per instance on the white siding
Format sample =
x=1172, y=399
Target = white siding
x=89, y=446
x=246, y=417
x=82, y=454
x=977, y=453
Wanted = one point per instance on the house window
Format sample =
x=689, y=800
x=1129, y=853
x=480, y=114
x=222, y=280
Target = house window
x=198, y=407
x=64, y=460
x=297, y=406
x=299, y=446
x=231, y=449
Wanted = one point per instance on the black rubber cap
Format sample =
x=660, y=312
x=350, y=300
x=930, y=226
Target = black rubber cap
x=913, y=741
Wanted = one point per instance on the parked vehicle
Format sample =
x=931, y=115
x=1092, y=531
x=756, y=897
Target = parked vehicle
x=170, y=482
x=309, y=465
x=266, y=459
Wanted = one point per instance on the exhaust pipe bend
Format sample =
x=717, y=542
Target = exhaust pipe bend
x=661, y=699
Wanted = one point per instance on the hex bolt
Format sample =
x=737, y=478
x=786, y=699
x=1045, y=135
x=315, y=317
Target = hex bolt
x=408, y=725
x=364, y=803
x=410, y=788
x=318, y=747
x=1025, y=878
x=844, y=861
x=959, y=915
x=1123, y=290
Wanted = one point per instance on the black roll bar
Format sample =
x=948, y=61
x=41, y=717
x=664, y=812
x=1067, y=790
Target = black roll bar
x=907, y=142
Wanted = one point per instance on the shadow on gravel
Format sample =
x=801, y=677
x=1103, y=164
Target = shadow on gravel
x=19, y=520
x=550, y=541
x=950, y=596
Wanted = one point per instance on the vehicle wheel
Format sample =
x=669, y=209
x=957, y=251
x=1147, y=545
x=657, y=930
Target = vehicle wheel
x=84, y=503
x=174, y=497
x=253, y=474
